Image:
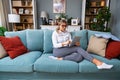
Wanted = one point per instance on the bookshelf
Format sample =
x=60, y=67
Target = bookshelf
x=26, y=10
x=90, y=10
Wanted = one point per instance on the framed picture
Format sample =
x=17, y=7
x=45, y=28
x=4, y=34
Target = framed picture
x=59, y=6
x=74, y=21
x=21, y=11
x=50, y=21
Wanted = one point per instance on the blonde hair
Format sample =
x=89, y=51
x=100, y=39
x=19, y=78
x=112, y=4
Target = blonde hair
x=61, y=21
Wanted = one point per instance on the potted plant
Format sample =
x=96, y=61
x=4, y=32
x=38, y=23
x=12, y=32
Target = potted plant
x=102, y=17
x=2, y=30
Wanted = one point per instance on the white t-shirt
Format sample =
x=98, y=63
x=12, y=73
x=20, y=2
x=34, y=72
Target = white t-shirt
x=59, y=38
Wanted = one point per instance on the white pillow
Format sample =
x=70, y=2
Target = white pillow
x=3, y=53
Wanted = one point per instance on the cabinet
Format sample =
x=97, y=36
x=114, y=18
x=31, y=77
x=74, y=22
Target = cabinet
x=70, y=28
x=27, y=11
x=90, y=10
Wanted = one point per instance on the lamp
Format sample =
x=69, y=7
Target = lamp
x=14, y=18
x=44, y=17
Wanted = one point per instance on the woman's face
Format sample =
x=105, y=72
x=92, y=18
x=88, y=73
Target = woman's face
x=63, y=27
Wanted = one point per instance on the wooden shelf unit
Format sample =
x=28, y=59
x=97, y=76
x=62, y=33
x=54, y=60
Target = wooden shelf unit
x=91, y=11
x=25, y=9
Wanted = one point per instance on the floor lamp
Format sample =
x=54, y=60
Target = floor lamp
x=14, y=18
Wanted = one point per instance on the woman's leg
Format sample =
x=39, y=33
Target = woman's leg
x=98, y=63
x=73, y=57
x=62, y=52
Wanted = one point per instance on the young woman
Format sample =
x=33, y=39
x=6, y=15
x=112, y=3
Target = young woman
x=61, y=39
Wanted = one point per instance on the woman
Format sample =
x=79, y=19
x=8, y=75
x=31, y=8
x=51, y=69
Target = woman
x=61, y=39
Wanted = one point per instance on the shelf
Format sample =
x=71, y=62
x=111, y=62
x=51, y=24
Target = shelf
x=88, y=23
x=96, y=6
x=21, y=6
x=91, y=15
x=25, y=23
x=26, y=14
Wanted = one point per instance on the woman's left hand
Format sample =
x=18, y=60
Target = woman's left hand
x=77, y=43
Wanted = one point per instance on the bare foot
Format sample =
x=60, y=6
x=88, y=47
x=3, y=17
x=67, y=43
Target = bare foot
x=60, y=58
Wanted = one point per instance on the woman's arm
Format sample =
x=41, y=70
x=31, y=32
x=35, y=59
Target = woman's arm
x=54, y=41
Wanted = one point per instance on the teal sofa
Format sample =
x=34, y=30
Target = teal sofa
x=36, y=64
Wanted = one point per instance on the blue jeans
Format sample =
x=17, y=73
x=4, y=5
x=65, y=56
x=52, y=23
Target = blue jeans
x=74, y=53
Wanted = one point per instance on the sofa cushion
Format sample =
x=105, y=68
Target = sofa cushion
x=86, y=66
x=97, y=45
x=23, y=63
x=83, y=37
x=21, y=34
x=48, y=46
x=35, y=40
x=113, y=49
x=46, y=64
x=13, y=46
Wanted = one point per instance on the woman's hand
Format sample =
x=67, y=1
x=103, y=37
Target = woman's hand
x=77, y=43
x=66, y=43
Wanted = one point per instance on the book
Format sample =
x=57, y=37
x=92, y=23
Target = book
x=75, y=39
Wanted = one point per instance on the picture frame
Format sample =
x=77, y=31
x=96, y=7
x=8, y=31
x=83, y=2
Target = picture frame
x=50, y=21
x=21, y=11
x=74, y=21
x=59, y=6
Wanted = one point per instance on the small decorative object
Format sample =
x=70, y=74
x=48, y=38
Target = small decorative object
x=74, y=22
x=27, y=11
x=57, y=16
x=26, y=3
x=59, y=6
x=98, y=4
x=17, y=3
x=93, y=4
x=50, y=21
x=44, y=17
x=25, y=20
x=14, y=11
x=21, y=11
x=102, y=3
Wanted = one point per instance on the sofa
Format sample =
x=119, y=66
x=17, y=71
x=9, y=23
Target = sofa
x=36, y=64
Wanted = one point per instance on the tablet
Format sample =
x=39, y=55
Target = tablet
x=75, y=39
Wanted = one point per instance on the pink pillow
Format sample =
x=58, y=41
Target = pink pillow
x=113, y=49
x=13, y=46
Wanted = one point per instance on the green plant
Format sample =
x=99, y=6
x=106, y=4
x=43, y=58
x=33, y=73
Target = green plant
x=63, y=16
x=2, y=30
x=102, y=17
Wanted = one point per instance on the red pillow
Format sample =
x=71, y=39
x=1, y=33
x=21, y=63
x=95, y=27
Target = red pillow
x=113, y=49
x=13, y=46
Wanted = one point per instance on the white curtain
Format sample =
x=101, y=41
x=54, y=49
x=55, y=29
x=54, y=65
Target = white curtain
x=4, y=11
x=0, y=20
